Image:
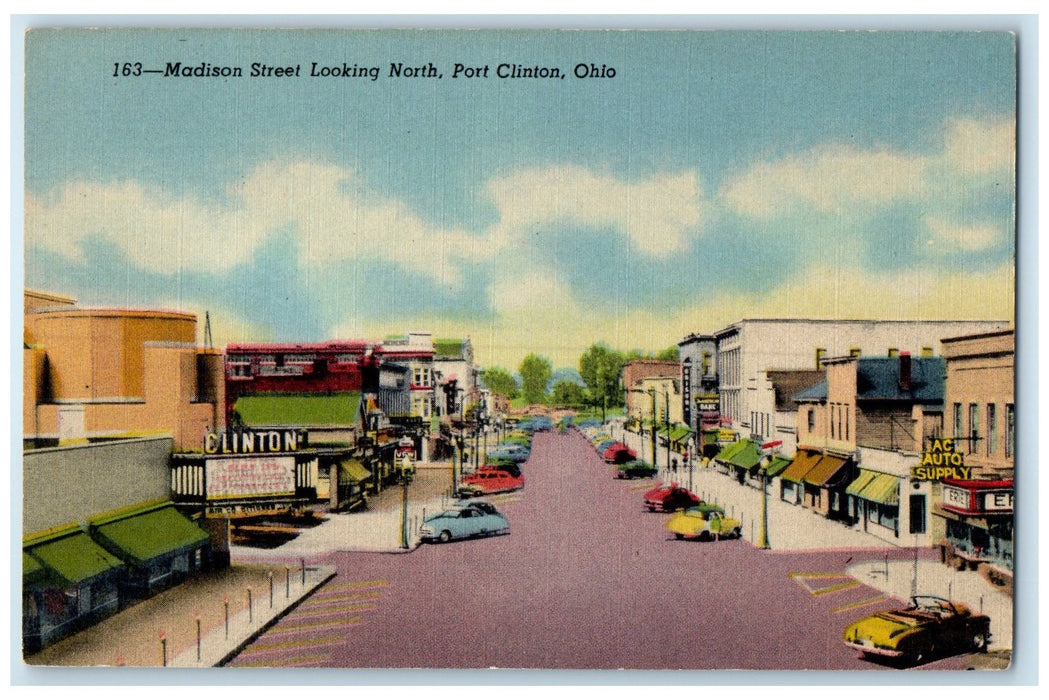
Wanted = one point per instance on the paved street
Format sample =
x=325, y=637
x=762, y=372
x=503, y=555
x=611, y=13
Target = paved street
x=586, y=579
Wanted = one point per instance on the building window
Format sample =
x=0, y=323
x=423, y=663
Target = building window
x=847, y=422
x=812, y=419
x=992, y=429
x=957, y=421
x=974, y=426
x=1010, y=430
x=832, y=421
x=820, y=354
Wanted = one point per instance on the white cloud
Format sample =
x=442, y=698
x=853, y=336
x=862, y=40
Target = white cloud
x=974, y=147
x=950, y=236
x=657, y=214
x=829, y=179
x=333, y=215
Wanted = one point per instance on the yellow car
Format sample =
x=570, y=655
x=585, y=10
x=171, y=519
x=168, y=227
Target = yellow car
x=704, y=522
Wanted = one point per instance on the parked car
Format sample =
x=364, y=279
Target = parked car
x=635, y=469
x=704, y=522
x=462, y=522
x=483, y=506
x=493, y=480
x=618, y=453
x=669, y=498
x=517, y=453
x=930, y=627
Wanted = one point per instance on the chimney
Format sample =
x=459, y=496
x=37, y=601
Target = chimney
x=905, y=371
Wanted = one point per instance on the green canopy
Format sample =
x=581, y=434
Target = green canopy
x=353, y=471
x=71, y=556
x=746, y=455
x=300, y=410
x=876, y=487
x=143, y=533
x=776, y=466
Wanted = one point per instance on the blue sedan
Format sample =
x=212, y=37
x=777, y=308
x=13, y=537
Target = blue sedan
x=462, y=522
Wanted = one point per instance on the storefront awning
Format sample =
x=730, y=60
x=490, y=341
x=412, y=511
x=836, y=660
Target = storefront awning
x=876, y=487
x=72, y=557
x=144, y=533
x=725, y=455
x=34, y=575
x=747, y=455
x=352, y=471
x=824, y=471
x=710, y=437
x=803, y=463
x=776, y=466
x=679, y=433
x=300, y=410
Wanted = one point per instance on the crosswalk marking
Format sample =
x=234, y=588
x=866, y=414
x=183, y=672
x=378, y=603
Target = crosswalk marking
x=860, y=604
x=845, y=580
x=297, y=660
x=312, y=641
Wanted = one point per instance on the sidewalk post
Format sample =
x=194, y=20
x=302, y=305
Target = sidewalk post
x=198, y=636
x=287, y=581
x=271, y=589
x=303, y=571
x=163, y=648
x=225, y=603
x=250, y=611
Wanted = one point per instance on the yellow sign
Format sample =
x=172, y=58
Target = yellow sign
x=940, y=461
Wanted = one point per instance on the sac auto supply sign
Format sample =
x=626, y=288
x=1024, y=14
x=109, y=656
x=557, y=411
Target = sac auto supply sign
x=250, y=477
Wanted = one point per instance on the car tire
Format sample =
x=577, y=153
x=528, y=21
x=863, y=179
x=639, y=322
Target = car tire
x=737, y=533
x=444, y=537
x=678, y=535
x=704, y=536
x=980, y=641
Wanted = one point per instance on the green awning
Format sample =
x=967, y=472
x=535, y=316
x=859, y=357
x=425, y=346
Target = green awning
x=777, y=465
x=859, y=483
x=883, y=488
x=34, y=575
x=726, y=453
x=353, y=471
x=145, y=533
x=804, y=461
x=680, y=432
x=72, y=556
x=747, y=455
x=710, y=437
x=300, y=410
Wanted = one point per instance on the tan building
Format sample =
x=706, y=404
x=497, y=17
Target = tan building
x=635, y=371
x=94, y=374
x=976, y=504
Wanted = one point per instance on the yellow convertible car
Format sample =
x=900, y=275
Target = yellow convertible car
x=930, y=627
x=704, y=522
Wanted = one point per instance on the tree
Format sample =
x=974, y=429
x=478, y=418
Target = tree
x=500, y=381
x=601, y=367
x=535, y=372
x=670, y=354
x=567, y=393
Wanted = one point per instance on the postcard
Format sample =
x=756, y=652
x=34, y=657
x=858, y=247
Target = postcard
x=589, y=349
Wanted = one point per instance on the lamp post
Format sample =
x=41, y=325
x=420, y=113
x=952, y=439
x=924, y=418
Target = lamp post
x=406, y=479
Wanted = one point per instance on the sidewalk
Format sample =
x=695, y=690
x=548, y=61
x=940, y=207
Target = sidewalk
x=162, y=630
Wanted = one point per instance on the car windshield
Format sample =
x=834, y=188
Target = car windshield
x=928, y=603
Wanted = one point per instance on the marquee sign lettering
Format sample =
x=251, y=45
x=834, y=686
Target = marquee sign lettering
x=254, y=441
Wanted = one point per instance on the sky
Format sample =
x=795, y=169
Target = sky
x=718, y=175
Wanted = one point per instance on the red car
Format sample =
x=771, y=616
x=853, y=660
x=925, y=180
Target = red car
x=492, y=480
x=618, y=453
x=670, y=498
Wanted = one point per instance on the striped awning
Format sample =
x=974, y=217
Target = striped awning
x=804, y=462
x=876, y=487
x=824, y=471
